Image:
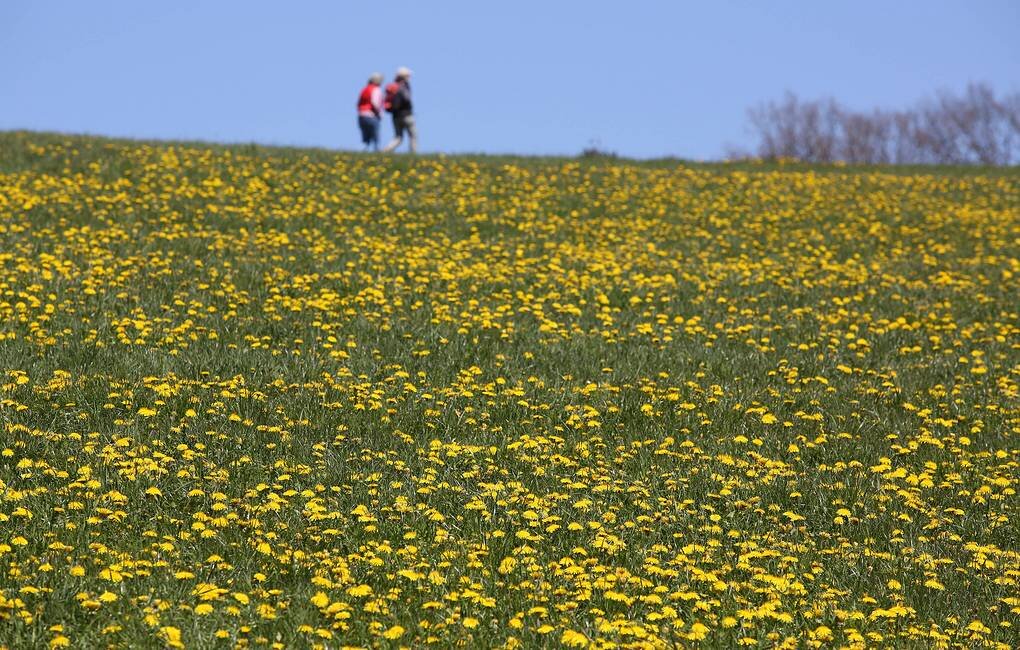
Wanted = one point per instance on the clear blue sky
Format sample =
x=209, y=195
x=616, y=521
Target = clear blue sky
x=539, y=77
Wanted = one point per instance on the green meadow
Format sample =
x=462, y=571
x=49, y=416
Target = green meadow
x=267, y=397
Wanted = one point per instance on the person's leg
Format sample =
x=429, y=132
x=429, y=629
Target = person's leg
x=398, y=137
x=375, y=134
x=394, y=143
x=365, y=134
x=412, y=132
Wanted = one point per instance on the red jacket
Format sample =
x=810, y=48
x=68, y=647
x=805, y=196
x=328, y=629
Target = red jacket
x=370, y=100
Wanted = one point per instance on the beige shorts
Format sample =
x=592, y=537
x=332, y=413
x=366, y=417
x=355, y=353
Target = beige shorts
x=405, y=123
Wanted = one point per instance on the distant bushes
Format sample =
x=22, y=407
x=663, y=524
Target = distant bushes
x=974, y=127
x=595, y=150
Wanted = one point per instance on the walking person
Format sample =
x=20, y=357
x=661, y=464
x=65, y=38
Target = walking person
x=370, y=105
x=398, y=103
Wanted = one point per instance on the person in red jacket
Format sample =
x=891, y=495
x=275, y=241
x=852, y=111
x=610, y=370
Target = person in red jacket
x=370, y=102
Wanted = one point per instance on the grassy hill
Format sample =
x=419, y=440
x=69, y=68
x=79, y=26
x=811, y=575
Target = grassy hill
x=254, y=396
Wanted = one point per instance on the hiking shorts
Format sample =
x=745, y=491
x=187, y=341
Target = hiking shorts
x=405, y=123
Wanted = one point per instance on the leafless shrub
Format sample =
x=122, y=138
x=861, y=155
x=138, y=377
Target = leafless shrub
x=595, y=150
x=796, y=129
x=975, y=127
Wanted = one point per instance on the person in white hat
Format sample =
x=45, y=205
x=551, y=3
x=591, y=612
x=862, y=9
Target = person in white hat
x=398, y=103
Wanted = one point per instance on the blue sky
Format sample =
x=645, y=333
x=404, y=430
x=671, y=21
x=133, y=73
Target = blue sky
x=644, y=79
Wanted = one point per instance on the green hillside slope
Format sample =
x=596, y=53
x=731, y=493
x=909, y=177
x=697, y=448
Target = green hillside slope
x=275, y=397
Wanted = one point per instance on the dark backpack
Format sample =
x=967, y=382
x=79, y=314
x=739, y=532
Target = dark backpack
x=391, y=101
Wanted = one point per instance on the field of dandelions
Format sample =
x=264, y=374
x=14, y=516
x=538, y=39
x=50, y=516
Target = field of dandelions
x=257, y=397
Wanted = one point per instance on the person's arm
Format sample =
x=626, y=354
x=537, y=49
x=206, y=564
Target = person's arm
x=405, y=98
x=377, y=101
